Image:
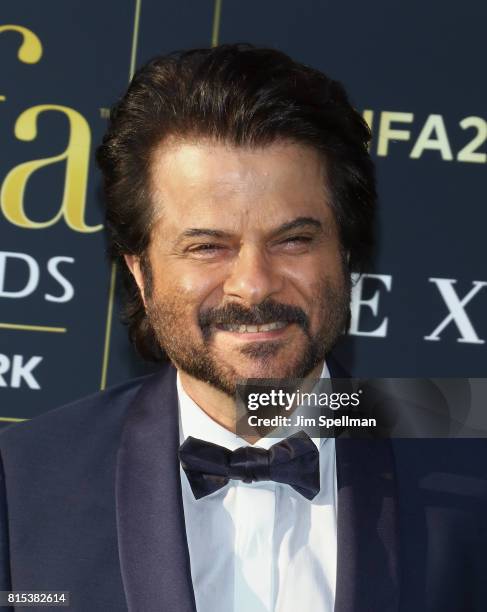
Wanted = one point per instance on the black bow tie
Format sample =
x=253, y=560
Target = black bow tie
x=293, y=461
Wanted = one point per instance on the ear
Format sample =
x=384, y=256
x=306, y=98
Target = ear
x=133, y=264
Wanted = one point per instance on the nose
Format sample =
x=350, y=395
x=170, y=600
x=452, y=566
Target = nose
x=253, y=277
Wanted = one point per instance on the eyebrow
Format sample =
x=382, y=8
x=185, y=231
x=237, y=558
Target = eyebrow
x=193, y=232
x=298, y=223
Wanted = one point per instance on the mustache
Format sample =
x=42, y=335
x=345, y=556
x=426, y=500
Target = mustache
x=260, y=314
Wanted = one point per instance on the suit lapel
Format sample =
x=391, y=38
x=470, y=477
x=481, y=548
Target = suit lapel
x=367, y=569
x=367, y=566
x=153, y=548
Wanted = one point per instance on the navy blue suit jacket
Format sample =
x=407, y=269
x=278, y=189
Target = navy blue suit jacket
x=90, y=502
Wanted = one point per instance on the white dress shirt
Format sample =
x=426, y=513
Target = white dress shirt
x=259, y=547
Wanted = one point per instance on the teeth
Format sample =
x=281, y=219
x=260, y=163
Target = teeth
x=276, y=325
x=251, y=329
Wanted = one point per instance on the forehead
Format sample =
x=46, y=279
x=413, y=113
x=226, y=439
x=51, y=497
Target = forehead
x=221, y=184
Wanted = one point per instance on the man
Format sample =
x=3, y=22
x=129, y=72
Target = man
x=240, y=197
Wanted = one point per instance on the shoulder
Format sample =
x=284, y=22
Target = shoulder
x=442, y=455
x=447, y=473
x=92, y=420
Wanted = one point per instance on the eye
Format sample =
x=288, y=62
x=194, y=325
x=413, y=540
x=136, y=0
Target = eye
x=206, y=248
x=296, y=240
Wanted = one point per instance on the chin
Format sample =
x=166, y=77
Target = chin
x=275, y=369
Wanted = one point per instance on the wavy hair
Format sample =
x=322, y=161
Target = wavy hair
x=246, y=96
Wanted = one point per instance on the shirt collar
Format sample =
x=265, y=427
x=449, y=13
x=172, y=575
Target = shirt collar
x=196, y=423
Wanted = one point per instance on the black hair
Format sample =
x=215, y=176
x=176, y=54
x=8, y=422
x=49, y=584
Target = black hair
x=245, y=96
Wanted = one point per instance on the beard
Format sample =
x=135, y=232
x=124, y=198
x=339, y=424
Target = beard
x=195, y=354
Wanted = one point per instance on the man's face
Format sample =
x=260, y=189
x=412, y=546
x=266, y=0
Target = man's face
x=248, y=277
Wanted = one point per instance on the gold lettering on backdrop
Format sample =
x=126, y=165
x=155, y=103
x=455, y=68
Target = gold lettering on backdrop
x=470, y=152
x=30, y=51
x=388, y=133
x=433, y=137
x=368, y=116
x=76, y=156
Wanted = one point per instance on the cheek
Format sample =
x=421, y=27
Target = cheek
x=191, y=288
x=196, y=283
x=319, y=285
x=307, y=278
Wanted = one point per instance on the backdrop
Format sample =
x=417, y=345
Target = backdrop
x=415, y=69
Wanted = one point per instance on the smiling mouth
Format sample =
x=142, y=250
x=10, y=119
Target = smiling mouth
x=253, y=329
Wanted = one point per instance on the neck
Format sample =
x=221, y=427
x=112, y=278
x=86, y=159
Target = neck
x=218, y=405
